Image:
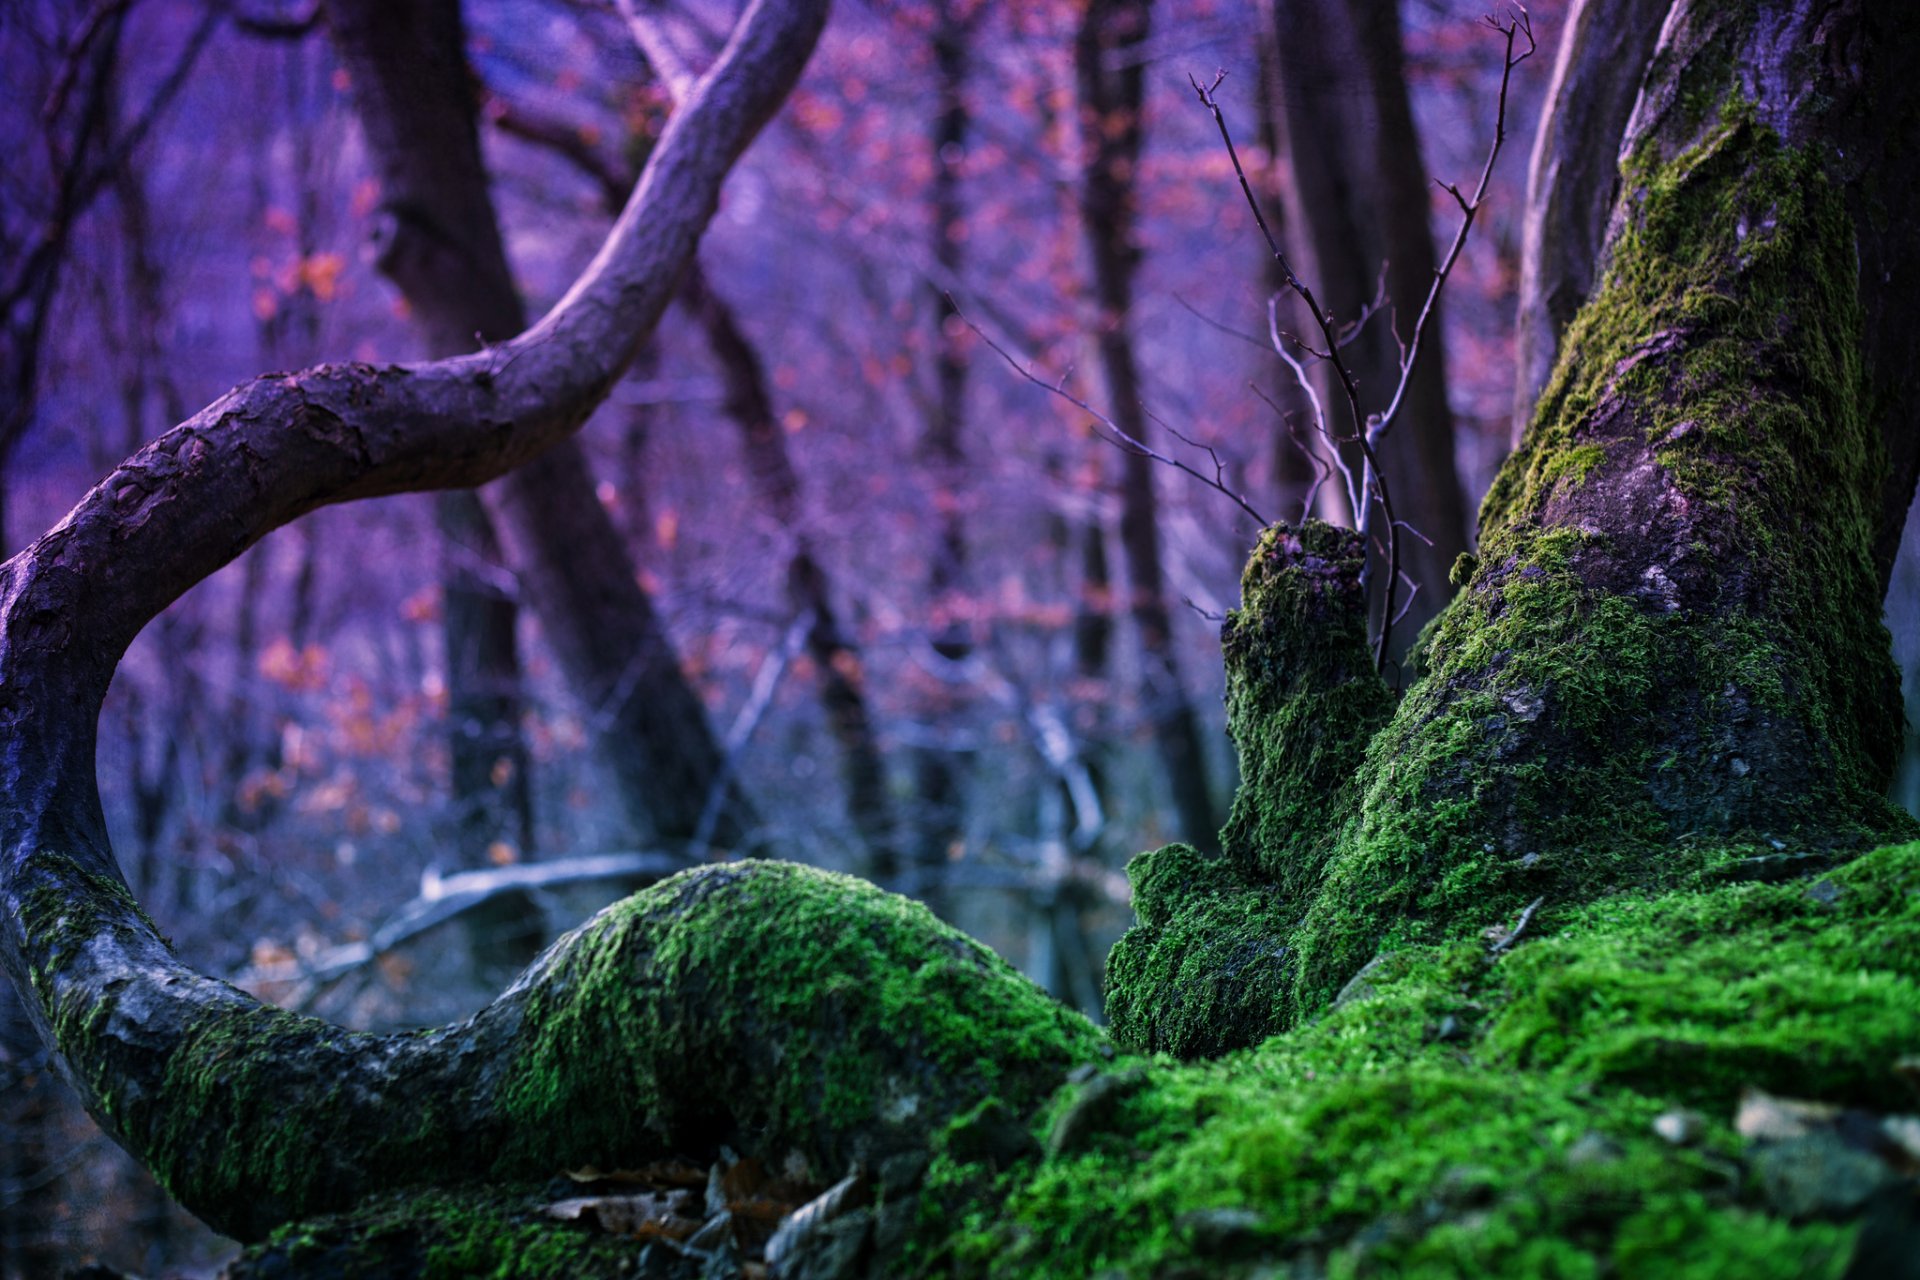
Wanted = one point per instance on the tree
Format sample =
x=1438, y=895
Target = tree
x=1109, y=77
x=1520, y=930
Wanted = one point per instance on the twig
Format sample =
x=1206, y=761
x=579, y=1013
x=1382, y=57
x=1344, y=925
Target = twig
x=1520, y=25
x=1117, y=435
x=1520, y=926
x=1369, y=431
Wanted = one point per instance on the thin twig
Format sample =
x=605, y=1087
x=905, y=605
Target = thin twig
x=1369, y=431
x=1519, y=928
x=1520, y=25
x=1117, y=435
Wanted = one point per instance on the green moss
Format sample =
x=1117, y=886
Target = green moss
x=1467, y=1115
x=1207, y=969
x=496, y=1234
x=1595, y=691
x=1302, y=701
x=879, y=1017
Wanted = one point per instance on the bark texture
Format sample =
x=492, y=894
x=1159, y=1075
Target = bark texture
x=1670, y=645
x=1357, y=194
x=250, y=1114
x=1574, y=178
x=1110, y=76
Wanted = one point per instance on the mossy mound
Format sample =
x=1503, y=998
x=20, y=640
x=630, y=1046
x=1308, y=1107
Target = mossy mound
x=1465, y=1113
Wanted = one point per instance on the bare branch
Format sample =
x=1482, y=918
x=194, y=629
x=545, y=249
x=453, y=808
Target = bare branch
x=1115, y=434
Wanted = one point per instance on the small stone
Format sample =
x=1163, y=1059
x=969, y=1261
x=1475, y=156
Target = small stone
x=1817, y=1176
x=1904, y=1132
x=1092, y=1110
x=1220, y=1230
x=1681, y=1127
x=1740, y=768
x=1528, y=861
x=1451, y=1029
x=1359, y=987
x=1593, y=1148
x=1765, y=1118
x=1825, y=892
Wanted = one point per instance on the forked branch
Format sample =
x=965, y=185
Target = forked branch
x=1369, y=430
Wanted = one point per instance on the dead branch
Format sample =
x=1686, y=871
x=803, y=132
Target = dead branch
x=1115, y=435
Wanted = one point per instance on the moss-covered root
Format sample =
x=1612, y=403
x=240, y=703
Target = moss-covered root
x=1674, y=627
x=1206, y=970
x=800, y=1016
x=1459, y=1115
x=785, y=1011
x=1303, y=700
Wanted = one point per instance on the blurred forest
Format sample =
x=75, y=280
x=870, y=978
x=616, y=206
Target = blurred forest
x=886, y=604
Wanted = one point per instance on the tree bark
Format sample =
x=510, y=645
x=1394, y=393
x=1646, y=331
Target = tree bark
x=162, y=1056
x=1110, y=80
x=939, y=773
x=1671, y=642
x=1574, y=178
x=1357, y=193
x=441, y=245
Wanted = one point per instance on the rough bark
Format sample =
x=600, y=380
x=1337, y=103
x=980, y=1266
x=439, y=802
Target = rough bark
x=1670, y=646
x=163, y=1057
x=441, y=244
x=1357, y=195
x=1110, y=75
x=1574, y=178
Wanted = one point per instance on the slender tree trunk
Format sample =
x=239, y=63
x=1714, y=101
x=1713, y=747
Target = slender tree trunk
x=441, y=244
x=836, y=658
x=938, y=773
x=1357, y=197
x=1111, y=91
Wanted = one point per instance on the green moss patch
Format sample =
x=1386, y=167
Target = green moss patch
x=1468, y=1114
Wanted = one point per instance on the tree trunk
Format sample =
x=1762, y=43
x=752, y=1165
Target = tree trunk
x=441, y=244
x=1678, y=575
x=193, y=1076
x=939, y=773
x=1357, y=193
x=1110, y=78
x=836, y=658
x=1574, y=178
x=1671, y=644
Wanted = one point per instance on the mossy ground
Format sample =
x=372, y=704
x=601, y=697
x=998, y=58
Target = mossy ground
x=1478, y=1115
x=495, y=1234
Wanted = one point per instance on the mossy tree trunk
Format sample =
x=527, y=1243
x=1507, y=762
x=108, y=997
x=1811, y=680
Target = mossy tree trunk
x=1671, y=639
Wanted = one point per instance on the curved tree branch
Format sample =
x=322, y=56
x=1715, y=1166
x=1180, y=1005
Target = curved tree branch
x=164, y=1056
